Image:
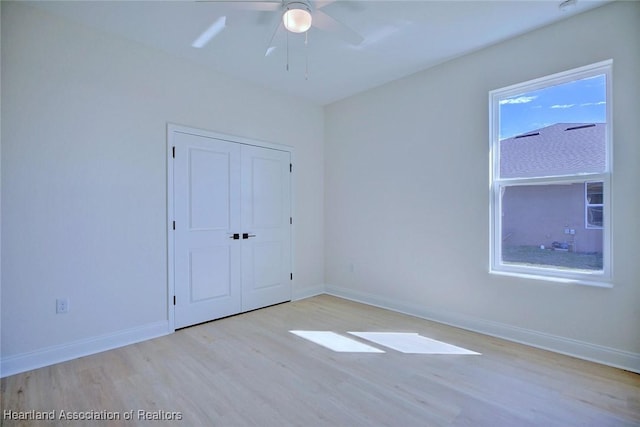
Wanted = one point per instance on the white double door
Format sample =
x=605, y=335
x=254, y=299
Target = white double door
x=232, y=237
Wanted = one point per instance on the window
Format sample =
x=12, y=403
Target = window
x=550, y=180
x=593, y=205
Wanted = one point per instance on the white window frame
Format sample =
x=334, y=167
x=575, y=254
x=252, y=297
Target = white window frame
x=602, y=278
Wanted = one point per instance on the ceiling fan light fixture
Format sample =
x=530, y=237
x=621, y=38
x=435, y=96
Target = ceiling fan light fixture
x=297, y=17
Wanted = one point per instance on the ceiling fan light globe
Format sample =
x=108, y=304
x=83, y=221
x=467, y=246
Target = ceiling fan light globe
x=297, y=20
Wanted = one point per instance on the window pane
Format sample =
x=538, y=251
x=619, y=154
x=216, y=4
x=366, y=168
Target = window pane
x=594, y=193
x=544, y=226
x=594, y=216
x=554, y=131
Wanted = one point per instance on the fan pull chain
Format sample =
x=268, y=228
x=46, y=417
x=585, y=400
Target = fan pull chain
x=287, y=50
x=306, y=55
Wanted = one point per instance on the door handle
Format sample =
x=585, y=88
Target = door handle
x=247, y=235
x=235, y=236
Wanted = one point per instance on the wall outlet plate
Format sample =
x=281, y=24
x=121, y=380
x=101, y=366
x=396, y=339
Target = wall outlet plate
x=62, y=305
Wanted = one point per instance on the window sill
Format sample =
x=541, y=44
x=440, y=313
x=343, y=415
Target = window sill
x=602, y=283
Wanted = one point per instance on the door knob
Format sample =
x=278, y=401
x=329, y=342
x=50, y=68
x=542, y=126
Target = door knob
x=247, y=235
x=235, y=236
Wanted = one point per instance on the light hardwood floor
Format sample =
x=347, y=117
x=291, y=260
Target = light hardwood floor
x=248, y=370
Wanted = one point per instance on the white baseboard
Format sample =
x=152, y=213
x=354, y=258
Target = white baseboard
x=61, y=353
x=570, y=347
x=299, y=294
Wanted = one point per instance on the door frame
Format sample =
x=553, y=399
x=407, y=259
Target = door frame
x=176, y=128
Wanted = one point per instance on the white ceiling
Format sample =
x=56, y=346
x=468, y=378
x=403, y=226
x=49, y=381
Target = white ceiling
x=400, y=37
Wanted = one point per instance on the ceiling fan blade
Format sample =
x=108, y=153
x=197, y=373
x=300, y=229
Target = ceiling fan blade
x=213, y=30
x=354, y=5
x=325, y=22
x=322, y=3
x=264, y=5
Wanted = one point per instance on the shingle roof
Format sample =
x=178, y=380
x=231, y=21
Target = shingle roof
x=559, y=149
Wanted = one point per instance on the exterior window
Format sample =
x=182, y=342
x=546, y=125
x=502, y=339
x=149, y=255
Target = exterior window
x=593, y=204
x=550, y=164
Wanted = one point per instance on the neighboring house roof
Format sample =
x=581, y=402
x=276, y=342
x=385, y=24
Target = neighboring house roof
x=559, y=149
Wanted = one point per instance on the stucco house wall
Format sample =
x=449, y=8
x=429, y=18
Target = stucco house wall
x=539, y=215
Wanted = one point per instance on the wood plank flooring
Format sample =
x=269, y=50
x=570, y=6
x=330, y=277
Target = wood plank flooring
x=248, y=370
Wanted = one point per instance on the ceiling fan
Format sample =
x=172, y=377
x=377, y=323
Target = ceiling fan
x=296, y=16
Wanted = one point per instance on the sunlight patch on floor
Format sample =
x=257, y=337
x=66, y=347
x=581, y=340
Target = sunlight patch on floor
x=336, y=342
x=408, y=342
x=403, y=342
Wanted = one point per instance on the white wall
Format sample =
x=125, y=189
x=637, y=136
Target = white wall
x=407, y=194
x=84, y=181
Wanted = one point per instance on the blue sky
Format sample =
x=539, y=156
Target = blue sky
x=579, y=101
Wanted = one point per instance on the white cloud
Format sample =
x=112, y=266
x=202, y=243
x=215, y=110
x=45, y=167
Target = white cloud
x=588, y=104
x=518, y=100
x=562, y=106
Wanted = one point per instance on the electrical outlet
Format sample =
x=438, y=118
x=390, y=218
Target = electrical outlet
x=62, y=305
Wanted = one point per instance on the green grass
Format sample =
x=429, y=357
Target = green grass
x=533, y=255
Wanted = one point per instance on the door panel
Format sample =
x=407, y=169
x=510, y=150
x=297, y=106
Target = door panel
x=207, y=212
x=209, y=187
x=266, y=213
x=265, y=194
x=209, y=276
x=267, y=264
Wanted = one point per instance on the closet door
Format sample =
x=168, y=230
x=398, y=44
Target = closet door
x=232, y=237
x=266, y=224
x=207, y=260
